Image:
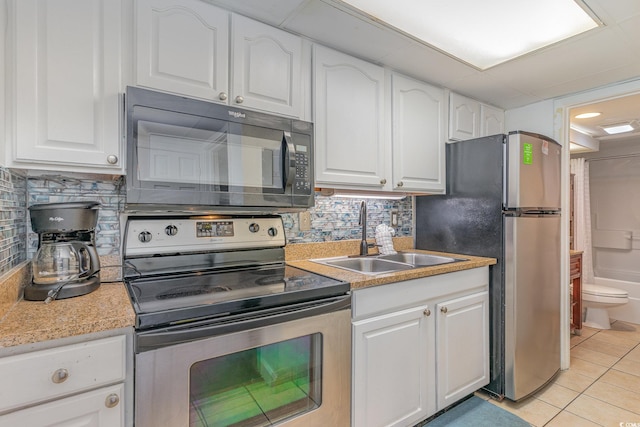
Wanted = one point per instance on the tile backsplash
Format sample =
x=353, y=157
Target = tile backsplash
x=13, y=219
x=332, y=218
x=337, y=218
x=60, y=189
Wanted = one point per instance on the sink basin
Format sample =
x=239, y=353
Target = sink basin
x=365, y=265
x=419, y=259
x=387, y=263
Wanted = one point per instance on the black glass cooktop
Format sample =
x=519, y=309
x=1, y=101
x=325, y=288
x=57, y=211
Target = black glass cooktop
x=190, y=297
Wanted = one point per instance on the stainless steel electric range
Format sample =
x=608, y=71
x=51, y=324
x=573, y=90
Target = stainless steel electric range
x=226, y=332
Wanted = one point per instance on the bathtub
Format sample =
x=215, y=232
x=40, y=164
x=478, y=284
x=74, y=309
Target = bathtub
x=629, y=312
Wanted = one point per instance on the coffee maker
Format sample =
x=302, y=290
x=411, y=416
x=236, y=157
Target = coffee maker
x=66, y=264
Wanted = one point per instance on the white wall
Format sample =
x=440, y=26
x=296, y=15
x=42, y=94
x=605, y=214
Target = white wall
x=537, y=118
x=615, y=210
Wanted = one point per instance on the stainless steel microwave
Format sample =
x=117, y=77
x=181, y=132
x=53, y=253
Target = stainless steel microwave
x=190, y=154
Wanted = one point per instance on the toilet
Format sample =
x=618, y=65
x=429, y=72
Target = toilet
x=597, y=299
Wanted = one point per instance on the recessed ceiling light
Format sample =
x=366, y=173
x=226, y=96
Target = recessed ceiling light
x=483, y=33
x=587, y=115
x=618, y=128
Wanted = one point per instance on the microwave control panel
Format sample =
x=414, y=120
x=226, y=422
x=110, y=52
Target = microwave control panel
x=303, y=174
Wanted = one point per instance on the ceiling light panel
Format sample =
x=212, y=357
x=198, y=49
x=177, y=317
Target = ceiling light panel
x=618, y=128
x=482, y=33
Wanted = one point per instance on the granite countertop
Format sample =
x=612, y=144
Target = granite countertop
x=28, y=322
x=109, y=307
x=106, y=308
x=359, y=281
x=298, y=255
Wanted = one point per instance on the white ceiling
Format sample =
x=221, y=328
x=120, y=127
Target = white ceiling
x=599, y=57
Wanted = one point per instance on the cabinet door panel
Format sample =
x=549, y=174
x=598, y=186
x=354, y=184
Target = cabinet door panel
x=419, y=121
x=464, y=118
x=92, y=409
x=462, y=335
x=350, y=145
x=67, y=81
x=266, y=67
x=492, y=120
x=391, y=369
x=183, y=48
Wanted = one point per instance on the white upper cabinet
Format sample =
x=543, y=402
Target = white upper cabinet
x=464, y=117
x=66, y=71
x=418, y=136
x=266, y=68
x=492, y=120
x=470, y=119
x=351, y=150
x=183, y=47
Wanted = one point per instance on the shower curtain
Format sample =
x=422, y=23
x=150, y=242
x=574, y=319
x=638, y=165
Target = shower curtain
x=582, y=216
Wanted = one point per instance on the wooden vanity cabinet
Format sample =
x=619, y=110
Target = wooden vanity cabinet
x=575, y=271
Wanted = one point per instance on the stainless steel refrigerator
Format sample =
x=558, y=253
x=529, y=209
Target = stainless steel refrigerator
x=503, y=202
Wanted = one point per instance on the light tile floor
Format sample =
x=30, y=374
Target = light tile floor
x=601, y=387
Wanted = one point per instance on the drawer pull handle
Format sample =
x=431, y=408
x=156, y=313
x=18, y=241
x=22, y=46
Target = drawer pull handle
x=60, y=376
x=427, y=312
x=444, y=309
x=112, y=400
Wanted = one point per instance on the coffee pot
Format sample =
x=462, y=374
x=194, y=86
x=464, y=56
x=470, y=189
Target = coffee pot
x=66, y=263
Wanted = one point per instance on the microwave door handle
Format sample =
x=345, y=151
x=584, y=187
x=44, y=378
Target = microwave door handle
x=289, y=169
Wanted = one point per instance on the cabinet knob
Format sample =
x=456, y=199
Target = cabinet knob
x=427, y=312
x=400, y=184
x=383, y=181
x=112, y=159
x=444, y=309
x=222, y=96
x=239, y=99
x=60, y=376
x=112, y=400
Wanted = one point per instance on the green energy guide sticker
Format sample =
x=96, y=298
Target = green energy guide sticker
x=527, y=154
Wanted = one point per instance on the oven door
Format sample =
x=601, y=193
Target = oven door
x=295, y=370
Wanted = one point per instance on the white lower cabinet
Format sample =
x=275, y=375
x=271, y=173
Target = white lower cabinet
x=391, y=369
x=80, y=384
x=419, y=346
x=98, y=408
x=462, y=337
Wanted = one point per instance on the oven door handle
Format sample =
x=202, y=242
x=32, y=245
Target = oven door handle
x=179, y=334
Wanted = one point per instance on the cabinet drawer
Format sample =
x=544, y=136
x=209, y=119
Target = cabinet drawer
x=575, y=265
x=33, y=377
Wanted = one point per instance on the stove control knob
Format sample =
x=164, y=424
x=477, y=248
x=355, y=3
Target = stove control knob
x=145, y=236
x=272, y=231
x=171, y=230
x=253, y=227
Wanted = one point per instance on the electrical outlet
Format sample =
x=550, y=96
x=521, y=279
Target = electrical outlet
x=304, y=219
x=394, y=218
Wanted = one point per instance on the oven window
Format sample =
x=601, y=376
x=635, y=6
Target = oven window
x=257, y=387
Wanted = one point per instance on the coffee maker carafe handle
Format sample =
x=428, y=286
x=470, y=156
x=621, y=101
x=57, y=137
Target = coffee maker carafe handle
x=94, y=263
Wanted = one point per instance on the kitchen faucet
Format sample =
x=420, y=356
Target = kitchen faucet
x=364, y=247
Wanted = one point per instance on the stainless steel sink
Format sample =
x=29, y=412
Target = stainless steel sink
x=365, y=265
x=386, y=263
x=419, y=259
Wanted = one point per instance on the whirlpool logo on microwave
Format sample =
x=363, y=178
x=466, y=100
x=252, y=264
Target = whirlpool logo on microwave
x=237, y=114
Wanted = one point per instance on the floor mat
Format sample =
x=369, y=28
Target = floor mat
x=477, y=412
